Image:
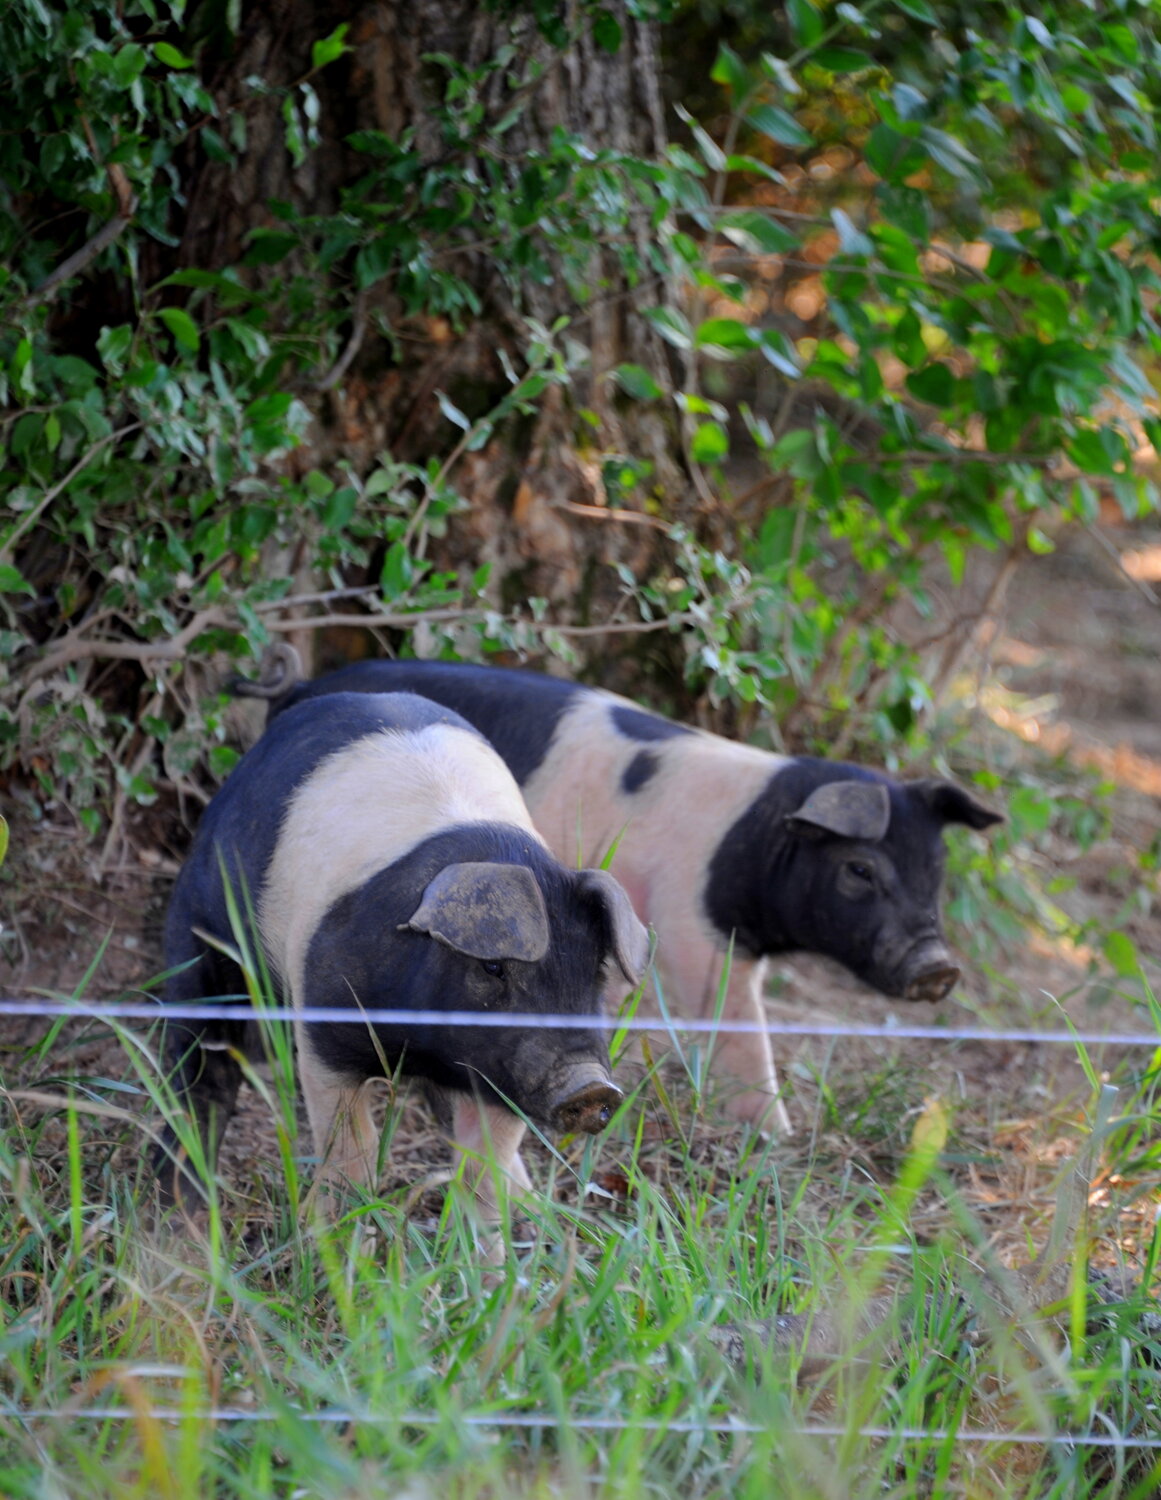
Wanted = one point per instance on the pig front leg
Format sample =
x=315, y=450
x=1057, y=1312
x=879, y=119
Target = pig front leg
x=346, y=1139
x=487, y=1139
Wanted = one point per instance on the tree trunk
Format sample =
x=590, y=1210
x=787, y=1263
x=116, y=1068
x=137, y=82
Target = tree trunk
x=538, y=511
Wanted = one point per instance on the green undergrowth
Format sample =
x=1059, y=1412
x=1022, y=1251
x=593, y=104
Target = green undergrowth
x=623, y=1348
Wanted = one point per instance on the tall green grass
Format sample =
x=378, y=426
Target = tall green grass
x=262, y=1353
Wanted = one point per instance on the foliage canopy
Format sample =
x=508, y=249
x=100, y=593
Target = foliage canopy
x=907, y=261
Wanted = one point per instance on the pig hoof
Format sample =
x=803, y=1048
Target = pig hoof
x=932, y=984
x=589, y=1110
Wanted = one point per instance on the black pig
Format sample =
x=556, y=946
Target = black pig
x=391, y=864
x=718, y=841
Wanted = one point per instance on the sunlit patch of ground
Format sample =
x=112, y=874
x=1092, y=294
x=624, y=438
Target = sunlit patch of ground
x=1033, y=724
x=1142, y=563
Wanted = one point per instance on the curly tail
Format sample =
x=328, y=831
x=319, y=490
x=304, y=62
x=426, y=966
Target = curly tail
x=280, y=673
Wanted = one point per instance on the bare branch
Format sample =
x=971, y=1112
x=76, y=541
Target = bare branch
x=76, y=646
x=78, y=260
x=1119, y=563
x=354, y=343
x=609, y=513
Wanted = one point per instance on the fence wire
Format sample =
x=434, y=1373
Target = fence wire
x=227, y=1010
x=543, y=1421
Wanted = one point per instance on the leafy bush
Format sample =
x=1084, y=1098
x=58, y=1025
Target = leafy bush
x=934, y=231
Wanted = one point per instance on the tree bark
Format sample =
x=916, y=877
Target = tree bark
x=538, y=509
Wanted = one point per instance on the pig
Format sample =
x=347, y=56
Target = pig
x=390, y=863
x=726, y=850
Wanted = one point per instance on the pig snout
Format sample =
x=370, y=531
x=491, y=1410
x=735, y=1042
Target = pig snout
x=586, y=1105
x=929, y=973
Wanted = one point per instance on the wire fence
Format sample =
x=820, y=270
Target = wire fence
x=528, y=1020
x=543, y=1421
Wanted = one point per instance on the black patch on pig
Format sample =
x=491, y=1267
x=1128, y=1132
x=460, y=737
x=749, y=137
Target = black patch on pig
x=636, y=724
x=638, y=771
x=364, y=950
x=516, y=711
x=778, y=891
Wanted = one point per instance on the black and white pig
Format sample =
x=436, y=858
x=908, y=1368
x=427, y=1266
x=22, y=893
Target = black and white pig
x=391, y=864
x=717, y=842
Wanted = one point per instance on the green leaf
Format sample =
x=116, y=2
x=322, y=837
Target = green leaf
x=3, y=838
x=183, y=328
x=711, y=153
x=340, y=509
x=852, y=240
x=778, y=351
x=779, y=126
x=673, y=326
x=129, y=64
x=841, y=59
x=14, y=582
x=701, y=406
x=26, y=434
x=935, y=385
x=1030, y=809
x=607, y=31
x=223, y=759
x=1089, y=453
x=726, y=334
x=951, y=154
x=710, y=443
x=907, y=339
x=23, y=376
x=896, y=249
x=797, y=453
x=330, y=47
x=1121, y=952
x=919, y=10
x=731, y=71
x=805, y=22
x=397, y=573
x=893, y=156
x=1039, y=542
x=170, y=56
x=269, y=410
x=1122, y=40
x=452, y=412
x=636, y=381
x=755, y=232
x=268, y=246
x=907, y=208
x=113, y=345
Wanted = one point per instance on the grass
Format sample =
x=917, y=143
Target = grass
x=380, y=1356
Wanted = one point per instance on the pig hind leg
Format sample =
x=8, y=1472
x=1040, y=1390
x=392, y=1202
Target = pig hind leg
x=202, y=1067
x=744, y=1061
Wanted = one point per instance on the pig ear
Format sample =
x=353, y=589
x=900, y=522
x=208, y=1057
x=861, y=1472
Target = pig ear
x=851, y=809
x=629, y=937
x=951, y=804
x=485, y=910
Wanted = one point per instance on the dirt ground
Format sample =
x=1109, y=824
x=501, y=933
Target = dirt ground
x=1067, y=681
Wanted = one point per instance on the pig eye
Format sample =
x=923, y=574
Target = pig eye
x=492, y=966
